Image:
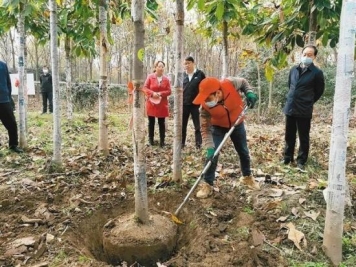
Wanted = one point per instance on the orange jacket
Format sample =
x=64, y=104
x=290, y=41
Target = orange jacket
x=225, y=113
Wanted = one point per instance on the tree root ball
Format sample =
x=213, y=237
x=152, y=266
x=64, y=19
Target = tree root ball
x=125, y=239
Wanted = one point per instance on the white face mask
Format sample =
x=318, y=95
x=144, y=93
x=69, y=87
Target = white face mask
x=306, y=61
x=212, y=103
x=45, y=71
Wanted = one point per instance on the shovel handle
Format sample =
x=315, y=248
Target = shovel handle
x=208, y=164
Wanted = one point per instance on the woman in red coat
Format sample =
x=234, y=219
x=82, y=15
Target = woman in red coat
x=157, y=88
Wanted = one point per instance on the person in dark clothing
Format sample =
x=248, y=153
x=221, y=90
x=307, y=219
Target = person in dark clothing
x=191, y=80
x=306, y=85
x=7, y=115
x=46, y=90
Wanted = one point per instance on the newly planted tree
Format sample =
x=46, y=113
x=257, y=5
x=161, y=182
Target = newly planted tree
x=141, y=203
x=178, y=92
x=337, y=184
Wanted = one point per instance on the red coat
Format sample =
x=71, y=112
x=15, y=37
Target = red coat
x=164, y=88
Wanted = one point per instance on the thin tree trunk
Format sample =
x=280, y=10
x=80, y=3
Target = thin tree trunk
x=258, y=88
x=12, y=51
x=21, y=92
x=336, y=192
x=270, y=94
x=178, y=93
x=313, y=24
x=37, y=76
x=103, y=93
x=225, y=63
x=57, y=139
x=69, y=99
x=141, y=202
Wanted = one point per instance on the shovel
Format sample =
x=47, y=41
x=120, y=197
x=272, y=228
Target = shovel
x=207, y=166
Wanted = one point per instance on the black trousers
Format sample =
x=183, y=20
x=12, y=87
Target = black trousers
x=47, y=97
x=151, y=128
x=192, y=110
x=302, y=126
x=8, y=119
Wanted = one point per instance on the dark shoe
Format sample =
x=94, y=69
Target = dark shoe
x=151, y=142
x=162, y=144
x=16, y=149
x=286, y=161
x=198, y=146
x=301, y=167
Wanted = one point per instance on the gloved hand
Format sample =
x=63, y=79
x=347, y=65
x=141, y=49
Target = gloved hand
x=210, y=152
x=251, y=99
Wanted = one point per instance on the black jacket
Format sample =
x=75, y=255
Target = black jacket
x=46, y=83
x=305, y=88
x=191, y=88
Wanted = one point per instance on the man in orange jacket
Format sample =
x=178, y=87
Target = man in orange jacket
x=221, y=105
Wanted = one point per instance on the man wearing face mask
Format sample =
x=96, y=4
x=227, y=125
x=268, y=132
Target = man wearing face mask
x=306, y=85
x=221, y=105
x=46, y=90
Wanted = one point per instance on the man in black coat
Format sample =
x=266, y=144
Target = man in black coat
x=306, y=85
x=46, y=90
x=7, y=115
x=191, y=80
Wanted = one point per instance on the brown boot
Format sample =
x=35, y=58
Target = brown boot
x=205, y=190
x=250, y=182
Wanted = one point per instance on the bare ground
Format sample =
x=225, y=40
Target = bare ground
x=57, y=219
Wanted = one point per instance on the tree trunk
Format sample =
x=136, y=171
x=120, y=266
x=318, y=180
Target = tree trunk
x=313, y=24
x=103, y=92
x=37, y=76
x=225, y=63
x=335, y=193
x=141, y=203
x=258, y=88
x=178, y=93
x=69, y=100
x=22, y=86
x=270, y=89
x=57, y=139
x=12, y=51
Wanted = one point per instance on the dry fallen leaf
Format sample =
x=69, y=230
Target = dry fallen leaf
x=272, y=205
x=257, y=237
x=276, y=193
x=312, y=214
x=296, y=236
x=295, y=212
x=302, y=200
x=282, y=219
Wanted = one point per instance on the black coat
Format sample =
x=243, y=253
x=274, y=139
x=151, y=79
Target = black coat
x=191, y=88
x=305, y=88
x=46, y=83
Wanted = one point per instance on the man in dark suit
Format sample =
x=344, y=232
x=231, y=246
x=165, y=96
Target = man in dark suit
x=191, y=80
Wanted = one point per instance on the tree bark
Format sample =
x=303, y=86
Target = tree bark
x=57, y=138
x=225, y=62
x=69, y=99
x=141, y=202
x=312, y=24
x=335, y=193
x=178, y=93
x=103, y=95
x=22, y=86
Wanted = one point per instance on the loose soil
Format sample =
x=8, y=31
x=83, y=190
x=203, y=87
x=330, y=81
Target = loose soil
x=58, y=218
